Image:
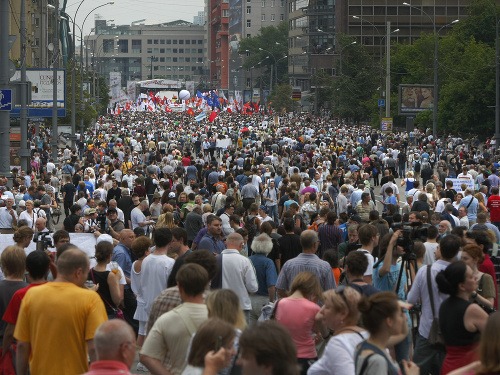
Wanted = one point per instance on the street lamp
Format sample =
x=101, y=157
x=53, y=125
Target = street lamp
x=82, y=107
x=436, y=83
x=274, y=59
x=497, y=85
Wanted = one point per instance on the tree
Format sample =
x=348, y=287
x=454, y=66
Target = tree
x=271, y=43
x=355, y=82
x=281, y=98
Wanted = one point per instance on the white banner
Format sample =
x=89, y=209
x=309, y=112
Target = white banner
x=85, y=241
x=457, y=182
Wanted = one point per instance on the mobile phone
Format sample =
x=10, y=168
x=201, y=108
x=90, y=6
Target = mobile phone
x=218, y=343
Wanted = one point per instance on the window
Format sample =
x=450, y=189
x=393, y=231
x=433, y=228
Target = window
x=272, y=3
x=200, y=41
x=272, y=17
x=249, y=23
x=156, y=50
x=181, y=59
x=263, y=17
x=263, y=5
x=150, y=41
x=282, y=3
x=169, y=41
x=200, y=50
x=175, y=50
x=174, y=59
x=225, y=12
x=181, y=41
x=282, y=17
x=162, y=50
x=188, y=41
x=193, y=41
x=249, y=9
x=149, y=50
x=162, y=41
x=181, y=50
x=174, y=41
x=188, y=59
x=168, y=59
x=168, y=50
x=36, y=42
x=249, y=35
x=162, y=59
x=155, y=41
x=194, y=50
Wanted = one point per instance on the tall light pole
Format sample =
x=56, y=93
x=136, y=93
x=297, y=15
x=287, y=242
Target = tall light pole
x=274, y=60
x=342, y=50
x=82, y=106
x=24, y=152
x=435, y=66
x=497, y=84
x=54, y=132
x=388, y=71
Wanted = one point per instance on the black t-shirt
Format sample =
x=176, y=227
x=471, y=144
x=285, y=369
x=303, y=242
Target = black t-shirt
x=69, y=190
x=289, y=247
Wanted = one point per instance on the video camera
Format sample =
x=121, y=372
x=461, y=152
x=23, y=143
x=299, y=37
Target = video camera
x=43, y=240
x=101, y=220
x=411, y=232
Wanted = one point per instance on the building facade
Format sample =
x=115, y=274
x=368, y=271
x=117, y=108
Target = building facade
x=230, y=21
x=173, y=50
x=315, y=24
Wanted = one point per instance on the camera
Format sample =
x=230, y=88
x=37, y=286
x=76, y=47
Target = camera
x=411, y=232
x=101, y=220
x=43, y=240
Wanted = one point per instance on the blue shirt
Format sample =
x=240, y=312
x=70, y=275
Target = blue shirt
x=472, y=209
x=208, y=242
x=121, y=255
x=265, y=271
x=387, y=283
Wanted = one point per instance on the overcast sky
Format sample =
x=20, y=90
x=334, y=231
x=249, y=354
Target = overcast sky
x=126, y=11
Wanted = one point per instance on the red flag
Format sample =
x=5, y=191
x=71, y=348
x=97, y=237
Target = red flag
x=190, y=111
x=212, y=116
x=229, y=110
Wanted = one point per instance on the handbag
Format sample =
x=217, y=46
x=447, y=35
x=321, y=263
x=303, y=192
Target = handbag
x=56, y=211
x=116, y=310
x=435, y=335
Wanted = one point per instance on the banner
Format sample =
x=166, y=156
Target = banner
x=85, y=241
x=457, y=182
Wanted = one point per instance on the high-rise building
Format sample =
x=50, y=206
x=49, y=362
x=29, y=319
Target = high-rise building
x=229, y=22
x=171, y=50
x=315, y=24
x=200, y=19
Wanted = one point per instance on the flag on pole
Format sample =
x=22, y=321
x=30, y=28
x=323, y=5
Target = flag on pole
x=201, y=117
x=213, y=116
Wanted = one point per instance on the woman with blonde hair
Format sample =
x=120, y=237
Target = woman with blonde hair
x=408, y=182
x=30, y=214
x=298, y=313
x=225, y=305
x=341, y=315
x=166, y=220
x=23, y=236
x=482, y=206
x=430, y=191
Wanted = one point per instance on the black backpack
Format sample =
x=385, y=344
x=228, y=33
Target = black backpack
x=416, y=167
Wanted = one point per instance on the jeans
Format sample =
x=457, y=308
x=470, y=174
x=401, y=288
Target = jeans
x=257, y=303
x=428, y=357
x=273, y=212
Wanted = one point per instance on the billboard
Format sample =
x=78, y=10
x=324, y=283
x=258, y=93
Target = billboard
x=386, y=124
x=415, y=98
x=42, y=93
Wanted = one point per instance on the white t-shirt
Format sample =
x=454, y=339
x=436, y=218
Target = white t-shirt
x=371, y=260
x=430, y=252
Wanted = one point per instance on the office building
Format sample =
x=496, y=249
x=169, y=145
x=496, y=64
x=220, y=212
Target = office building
x=140, y=51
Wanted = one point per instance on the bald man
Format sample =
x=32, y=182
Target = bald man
x=114, y=343
x=67, y=313
x=238, y=273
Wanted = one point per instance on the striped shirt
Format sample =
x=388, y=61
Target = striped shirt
x=306, y=263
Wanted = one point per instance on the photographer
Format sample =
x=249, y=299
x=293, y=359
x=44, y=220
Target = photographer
x=385, y=278
x=114, y=225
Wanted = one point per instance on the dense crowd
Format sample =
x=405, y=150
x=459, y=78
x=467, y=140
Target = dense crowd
x=252, y=244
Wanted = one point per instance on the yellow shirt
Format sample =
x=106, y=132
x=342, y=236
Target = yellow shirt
x=57, y=319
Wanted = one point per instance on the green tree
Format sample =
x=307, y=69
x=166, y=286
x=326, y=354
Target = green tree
x=271, y=43
x=353, y=87
x=281, y=98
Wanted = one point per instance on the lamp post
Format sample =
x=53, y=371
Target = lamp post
x=82, y=106
x=53, y=138
x=152, y=59
x=435, y=66
x=497, y=84
x=274, y=60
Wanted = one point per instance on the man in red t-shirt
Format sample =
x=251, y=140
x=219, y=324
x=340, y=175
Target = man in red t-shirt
x=494, y=207
x=37, y=265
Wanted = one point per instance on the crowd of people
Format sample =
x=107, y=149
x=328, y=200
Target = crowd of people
x=254, y=245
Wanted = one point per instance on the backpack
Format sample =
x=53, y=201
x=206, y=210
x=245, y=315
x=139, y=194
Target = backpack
x=416, y=166
x=303, y=225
